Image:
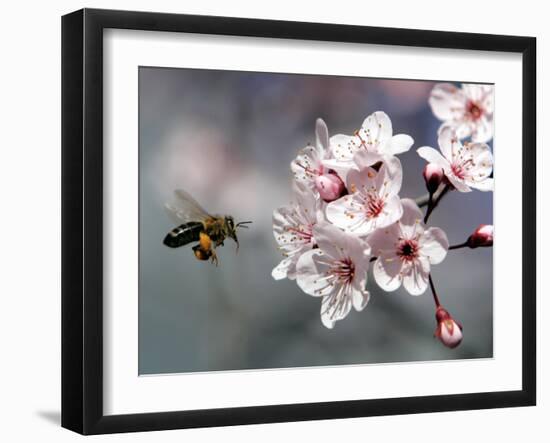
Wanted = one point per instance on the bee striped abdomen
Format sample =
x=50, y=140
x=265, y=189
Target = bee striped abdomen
x=183, y=234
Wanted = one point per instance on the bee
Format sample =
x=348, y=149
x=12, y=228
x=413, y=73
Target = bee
x=195, y=224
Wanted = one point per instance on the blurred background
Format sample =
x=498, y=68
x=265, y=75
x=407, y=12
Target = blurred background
x=228, y=139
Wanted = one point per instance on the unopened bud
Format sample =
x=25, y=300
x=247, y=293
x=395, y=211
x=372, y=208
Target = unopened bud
x=330, y=186
x=482, y=236
x=433, y=175
x=448, y=331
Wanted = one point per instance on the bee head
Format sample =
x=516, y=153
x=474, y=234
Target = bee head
x=231, y=228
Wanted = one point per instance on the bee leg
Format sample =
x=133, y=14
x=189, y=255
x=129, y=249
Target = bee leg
x=214, y=257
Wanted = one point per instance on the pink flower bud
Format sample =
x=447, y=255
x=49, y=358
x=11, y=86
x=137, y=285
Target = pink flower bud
x=433, y=175
x=448, y=331
x=330, y=186
x=482, y=236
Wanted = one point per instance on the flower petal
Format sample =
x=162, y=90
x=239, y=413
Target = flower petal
x=310, y=273
x=458, y=184
x=342, y=147
x=432, y=156
x=475, y=92
x=488, y=99
x=307, y=164
x=281, y=270
x=434, y=245
x=412, y=214
x=416, y=275
x=483, y=130
x=364, y=159
x=360, y=298
x=376, y=129
x=334, y=307
x=485, y=185
x=482, y=160
x=333, y=241
x=383, y=241
x=392, y=212
x=365, y=179
x=462, y=128
x=347, y=213
x=447, y=101
x=399, y=143
x=321, y=135
x=448, y=142
x=387, y=272
x=390, y=177
x=290, y=228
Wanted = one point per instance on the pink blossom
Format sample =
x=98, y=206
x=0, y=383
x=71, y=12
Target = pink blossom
x=335, y=271
x=467, y=110
x=406, y=250
x=465, y=166
x=482, y=236
x=309, y=166
x=448, y=331
x=329, y=186
x=433, y=176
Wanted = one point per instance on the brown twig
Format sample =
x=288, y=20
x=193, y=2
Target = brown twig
x=436, y=298
x=433, y=202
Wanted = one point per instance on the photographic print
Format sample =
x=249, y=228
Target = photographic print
x=291, y=220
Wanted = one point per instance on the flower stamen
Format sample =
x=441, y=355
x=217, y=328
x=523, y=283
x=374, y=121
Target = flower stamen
x=407, y=250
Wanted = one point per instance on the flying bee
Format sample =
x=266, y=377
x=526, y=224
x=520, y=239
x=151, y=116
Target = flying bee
x=195, y=224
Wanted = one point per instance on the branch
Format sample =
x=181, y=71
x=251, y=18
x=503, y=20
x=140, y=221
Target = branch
x=434, y=293
x=432, y=204
x=423, y=200
x=460, y=245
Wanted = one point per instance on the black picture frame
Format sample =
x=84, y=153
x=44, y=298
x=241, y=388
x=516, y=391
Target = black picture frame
x=82, y=220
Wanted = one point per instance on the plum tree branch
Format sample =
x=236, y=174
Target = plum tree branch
x=423, y=200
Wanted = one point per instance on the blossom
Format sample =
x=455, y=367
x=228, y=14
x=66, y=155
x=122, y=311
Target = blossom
x=433, y=176
x=468, y=110
x=335, y=271
x=373, y=201
x=309, y=168
x=448, y=331
x=465, y=166
x=293, y=229
x=405, y=251
x=330, y=186
x=482, y=236
x=375, y=138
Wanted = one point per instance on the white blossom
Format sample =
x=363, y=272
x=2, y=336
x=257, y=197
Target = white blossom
x=375, y=139
x=373, y=201
x=309, y=167
x=465, y=166
x=406, y=250
x=293, y=229
x=335, y=271
x=468, y=109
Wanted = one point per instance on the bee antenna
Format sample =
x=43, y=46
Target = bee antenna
x=243, y=224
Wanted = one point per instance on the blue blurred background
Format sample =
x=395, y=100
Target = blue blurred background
x=228, y=138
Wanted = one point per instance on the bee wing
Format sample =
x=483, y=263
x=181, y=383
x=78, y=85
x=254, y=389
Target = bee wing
x=185, y=208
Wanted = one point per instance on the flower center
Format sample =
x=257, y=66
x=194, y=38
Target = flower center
x=461, y=167
x=474, y=110
x=343, y=270
x=408, y=250
x=374, y=205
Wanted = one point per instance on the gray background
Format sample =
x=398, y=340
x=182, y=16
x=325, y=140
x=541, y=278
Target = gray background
x=228, y=138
